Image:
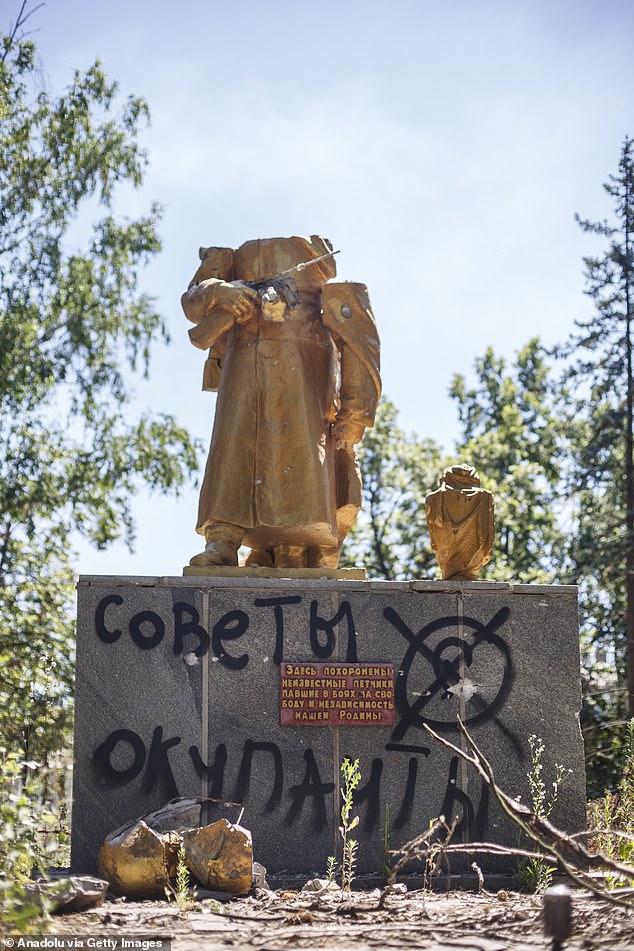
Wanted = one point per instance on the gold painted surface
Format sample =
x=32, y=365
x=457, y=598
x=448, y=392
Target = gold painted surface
x=138, y=862
x=461, y=521
x=343, y=574
x=220, y=856
x=295, y=394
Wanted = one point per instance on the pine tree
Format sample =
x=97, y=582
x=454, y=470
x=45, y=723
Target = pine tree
x=602, y=480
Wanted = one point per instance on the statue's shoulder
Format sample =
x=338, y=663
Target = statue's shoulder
x=214, y=263
x=262, y=258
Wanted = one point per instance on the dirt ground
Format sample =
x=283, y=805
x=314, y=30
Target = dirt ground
x=281, y=920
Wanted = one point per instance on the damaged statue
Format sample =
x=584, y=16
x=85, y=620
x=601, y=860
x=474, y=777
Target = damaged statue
x=461, y=521
x=295, y=362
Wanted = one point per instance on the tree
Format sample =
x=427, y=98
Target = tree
x=511, y=434
x=75, y=331
x=600, y=370
x=390, y=537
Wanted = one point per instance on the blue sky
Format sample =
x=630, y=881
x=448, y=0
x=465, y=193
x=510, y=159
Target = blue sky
x=443, y=145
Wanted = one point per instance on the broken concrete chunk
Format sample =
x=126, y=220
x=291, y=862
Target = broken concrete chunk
x=259, y=877
x=75, y=893
x=190, y=813
x=140, y=858
x=320, y=886
x=220, y=856
x=396, y=888
x=137, y=861
x=175, y=816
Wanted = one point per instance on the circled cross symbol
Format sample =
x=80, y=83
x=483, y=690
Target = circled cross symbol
x=446, y=670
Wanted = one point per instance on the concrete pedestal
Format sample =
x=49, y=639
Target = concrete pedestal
x=178, y=693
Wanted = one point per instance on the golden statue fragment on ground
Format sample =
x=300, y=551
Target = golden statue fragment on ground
x=295, y=362
x=461, y=521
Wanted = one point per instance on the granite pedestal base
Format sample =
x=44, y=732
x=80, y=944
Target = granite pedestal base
x=178, y=693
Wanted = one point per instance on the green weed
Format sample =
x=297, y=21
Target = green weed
x=535, y=875
x=181, y=890
x=612, y=817
x=351, y=779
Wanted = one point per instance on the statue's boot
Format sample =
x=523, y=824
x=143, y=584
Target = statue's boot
x=289, y=556
x=222, y=546
x=259, y=558
x=318, y=557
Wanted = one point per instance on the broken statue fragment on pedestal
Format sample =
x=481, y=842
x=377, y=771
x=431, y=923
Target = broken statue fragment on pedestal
x=461, y=521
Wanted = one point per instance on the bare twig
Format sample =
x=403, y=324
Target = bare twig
x=540, y=830
x=490, y=848
x=23, y=16
x=4, y=546
x=422, y=847
x=416, y=848
x=476, y=868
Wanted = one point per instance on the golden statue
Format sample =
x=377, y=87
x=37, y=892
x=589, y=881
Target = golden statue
x=295, y=361
x=461, y=521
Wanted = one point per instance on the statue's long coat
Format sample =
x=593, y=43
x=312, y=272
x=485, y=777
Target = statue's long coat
x=272, y=466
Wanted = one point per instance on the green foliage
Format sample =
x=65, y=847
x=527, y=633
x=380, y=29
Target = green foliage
x=543, y=797
x=75, y=332
x=390, y=537
x=511, y=432
x=20, y=843
x=599, y=372
x=351, y=779
x=612, y=816
x=535, y=875
x=605, y=736
x=18, y=828
x=182, y=877
x=512, y=435
x=554, y=460
x=625, y=806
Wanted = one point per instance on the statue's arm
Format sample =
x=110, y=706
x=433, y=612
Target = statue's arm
x=348, y=316
x=358, y=398
x=214, y=306
x=490, y=539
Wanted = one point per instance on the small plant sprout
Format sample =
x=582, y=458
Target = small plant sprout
x=180, y=891
x=433, y=853
x=331, y=868
x=351, y=779
x=536, y=874
x=541, y=801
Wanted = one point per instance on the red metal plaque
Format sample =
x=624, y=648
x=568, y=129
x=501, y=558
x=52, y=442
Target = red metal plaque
x=336, y=694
